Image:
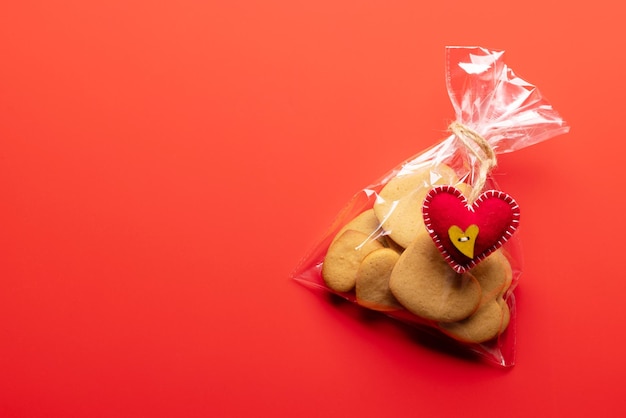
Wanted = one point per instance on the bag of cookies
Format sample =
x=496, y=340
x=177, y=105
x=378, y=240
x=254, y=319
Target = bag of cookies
x=432, y=243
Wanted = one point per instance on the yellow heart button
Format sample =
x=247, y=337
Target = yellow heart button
x=464, y=240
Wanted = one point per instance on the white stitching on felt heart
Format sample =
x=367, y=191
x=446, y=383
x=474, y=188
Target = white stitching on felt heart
x=507, y=233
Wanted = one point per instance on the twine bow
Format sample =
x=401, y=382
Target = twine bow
x=486, y=156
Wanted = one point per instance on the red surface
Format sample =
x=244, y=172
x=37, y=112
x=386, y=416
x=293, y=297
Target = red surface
x=165, y=165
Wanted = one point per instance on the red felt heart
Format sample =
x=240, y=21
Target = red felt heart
x=466, y=234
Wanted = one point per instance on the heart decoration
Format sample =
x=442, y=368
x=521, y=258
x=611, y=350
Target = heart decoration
x=466, y=234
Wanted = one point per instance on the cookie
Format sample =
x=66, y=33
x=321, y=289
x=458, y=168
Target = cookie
x=398, y=206
x=366, y=222
x=494, y=274
x=425, y=284
x=372, y=281
x=489, y=321
x=344, y=258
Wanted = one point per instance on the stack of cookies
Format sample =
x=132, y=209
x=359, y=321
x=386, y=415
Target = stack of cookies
x=387, y=258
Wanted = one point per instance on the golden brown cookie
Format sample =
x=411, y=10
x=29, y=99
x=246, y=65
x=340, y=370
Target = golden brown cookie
x=489, y=321
x=425, y=284
x=494, y=275
x=398, y=206
x=344, y=258
x=366, y=222
x=372, y=280
x=492, y=317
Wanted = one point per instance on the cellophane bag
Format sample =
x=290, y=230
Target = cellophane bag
x=432, y=243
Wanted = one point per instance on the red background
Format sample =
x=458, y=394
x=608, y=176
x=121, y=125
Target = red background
x=165, y=165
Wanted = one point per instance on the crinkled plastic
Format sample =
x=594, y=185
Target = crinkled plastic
x=508, y=113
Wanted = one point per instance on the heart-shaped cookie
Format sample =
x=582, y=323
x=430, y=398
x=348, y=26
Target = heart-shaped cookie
x=466, y=234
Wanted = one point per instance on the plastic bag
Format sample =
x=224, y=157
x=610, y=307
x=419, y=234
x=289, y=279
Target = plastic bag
x=409, y=245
